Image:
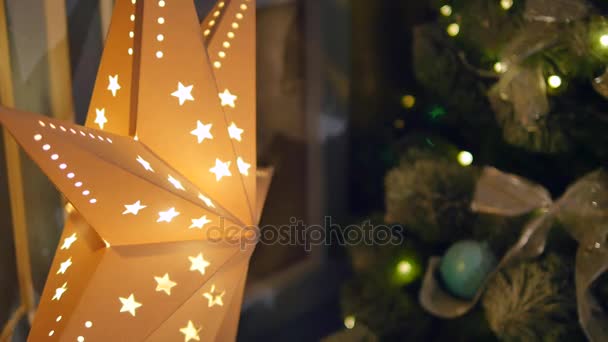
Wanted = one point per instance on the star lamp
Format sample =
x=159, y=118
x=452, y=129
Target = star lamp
x=154, y=177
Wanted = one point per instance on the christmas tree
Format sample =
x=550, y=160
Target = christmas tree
x=491, y=146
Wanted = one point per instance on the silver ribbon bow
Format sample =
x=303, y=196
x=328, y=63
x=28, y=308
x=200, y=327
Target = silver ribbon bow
x=583, y=209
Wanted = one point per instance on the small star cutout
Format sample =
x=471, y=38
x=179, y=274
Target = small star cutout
x=199, y=223
x=243, y=167
x=215, y=298
x=67, y=242
x=183, y=93
x=133, y=208
x=198, y=263
x=144, y=163
x=227, y=98
x=235, y=132
x=129, y=305
x=202, y=131
x=221, y=169
x=100, y=118
x=207, y=200
x=190, y=332
x=164, y=284
x=113, y=86
x=64, y=266
x=175, y=183
x=167, y=216
x=60, y=291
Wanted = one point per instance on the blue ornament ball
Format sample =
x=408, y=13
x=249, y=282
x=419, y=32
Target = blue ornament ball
x=465, y=266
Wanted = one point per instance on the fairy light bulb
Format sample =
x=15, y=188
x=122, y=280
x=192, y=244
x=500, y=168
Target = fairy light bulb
x=445, y=10
x=465, y=158
x=404, y=267
x=453, y=29
x=506, y=4
x=349, y=321
x=408, y=101
x=604, y=40
x=554, y=81
x=499, y=67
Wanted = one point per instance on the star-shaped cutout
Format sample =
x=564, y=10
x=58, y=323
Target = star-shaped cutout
x=243, y=167
x=175, y=183
x=227, y=99
x=221, y=169
x=202, y=131
x=144, y=163
x=113, y=86
x=164, y=284
x=67, y=242
x=167, y=216
x=183, y=93
x=190, y=332
x=60, y=291
x=129, y=305
x=64, y=266
x=100, y=117
x=199, y=223
x=207, y=200
x=198, y=263
x=215, y=298
x=133, y=208
x=235, y=132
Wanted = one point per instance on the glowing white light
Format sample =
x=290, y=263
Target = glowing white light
x=183, y=93
x=167, y=216
x=52, y=332
x=164, y=284
x=160, y=37
x=86, y=192
x=500, y=67
x=235, y=25
x=67, y=242
x=554, y=81
x=37, y=137
x=235, y=132
x=465, y=158
x=349, y=322
x=217, y=65
x=161, y=3
x=453, y=29
x=506, y=4
x=46, y=147
x=71, y=175
x=130, y=51
x=243, y=166
x=58, y=318
x=190, y=332
x=206, y=200
x=129, y=305
x=230, y=35
x=214, y=298
x=199, y=223
x=177, y=184
x=202, y=131
x=62, y=128
x=113, y=85
x=226, y=44
x=80, y=339
x=60, y=291
x=604, y=40
x=133, y=208
x=64, y=266
x=52, y=125
x=55, y=157
x=446, y=10
x=144, y=163
x=78, y=184
x=88, y=324
x=228, y=99
x=239, y=16
x=93, y=201
x=100, y=117
x=41, y=123
x=63, y=166
x=161, y=20
x=243, y=7
x=159, y=54
x=221, y=169
x=198, y=263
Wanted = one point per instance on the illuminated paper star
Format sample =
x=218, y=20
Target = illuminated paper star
x=190, y=332
x=243, y=167
x=183, y=93
x=215, y=298
x=60, y=291
x=198, y=263
x=202, y=131
x=235, y=132
x=129, y=305
x=227, y=99
x=64, y=266
x=100, y=119
x=164, y=284
x=113, y=86
x=67, y=242
x=221, y=169
x=199, y=223
x=144, y=163
x=133, y=208
x=167, y=216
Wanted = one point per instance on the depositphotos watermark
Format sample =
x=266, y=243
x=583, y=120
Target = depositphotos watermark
x=297, y=233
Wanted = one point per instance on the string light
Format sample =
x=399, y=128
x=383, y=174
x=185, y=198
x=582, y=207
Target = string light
x=349, y=321
x=408, y=101
x=446, y=10
x=554, y=81
x=453, y=29
x=465, y=158
x=604, y=40
x=506, y=4
x=404, y=267
x=500, y=67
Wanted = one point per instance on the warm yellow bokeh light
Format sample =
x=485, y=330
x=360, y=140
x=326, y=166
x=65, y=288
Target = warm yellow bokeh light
x=446, y=10
x=349, y=322
x=554, y=81
x=465, y=158
x=453, y=29
x=500, y=67
x=604, y=40
x=506, y=4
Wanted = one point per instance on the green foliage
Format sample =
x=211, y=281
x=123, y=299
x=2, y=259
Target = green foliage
x=533, y=301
